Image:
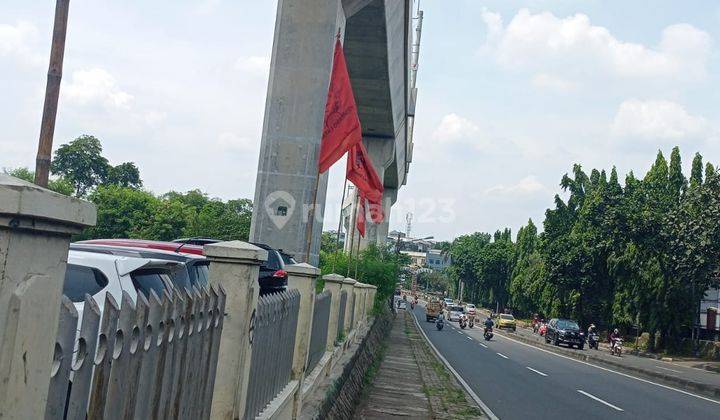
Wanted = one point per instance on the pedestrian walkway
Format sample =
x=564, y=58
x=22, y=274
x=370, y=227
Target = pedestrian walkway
x=397, y=388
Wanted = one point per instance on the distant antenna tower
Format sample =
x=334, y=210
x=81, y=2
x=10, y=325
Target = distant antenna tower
x=408, y=226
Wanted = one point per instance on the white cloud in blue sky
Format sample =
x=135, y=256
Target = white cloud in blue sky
x=511, y=94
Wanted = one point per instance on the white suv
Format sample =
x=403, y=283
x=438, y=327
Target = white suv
x=95, y=274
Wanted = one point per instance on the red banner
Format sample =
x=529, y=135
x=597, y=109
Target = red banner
x=341, y=128
x=361, y=216
x=361, y=172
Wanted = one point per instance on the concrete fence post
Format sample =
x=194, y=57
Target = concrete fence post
x=35, y=229
x=234, y=266
x=333, y=284
x=348, y=287
x=371, y=298
x=357, y=317
x=302, y=277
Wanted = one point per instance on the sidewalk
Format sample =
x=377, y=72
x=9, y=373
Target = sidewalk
x=681, y=375
x=412, y=383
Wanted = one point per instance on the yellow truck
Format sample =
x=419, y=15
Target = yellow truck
x=432, y=310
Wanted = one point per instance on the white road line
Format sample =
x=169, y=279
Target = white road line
x=460, y=379
x=671, y=370
x=536, y=371
x=502, y=355
x=483, y=345
x=469, y=338
x=599, y=400
x=613, y=371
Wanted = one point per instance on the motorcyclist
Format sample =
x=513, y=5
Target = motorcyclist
x=488, y=324
x=613, y=337
x=591, y=329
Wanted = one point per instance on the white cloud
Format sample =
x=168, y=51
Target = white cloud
x=96, y=86
x=526, y=186
x=454, y=127
x=548, y=82
x=543, y=42
x=15, y=41
x=231, y=142
x=254, y=64
x=658, y=120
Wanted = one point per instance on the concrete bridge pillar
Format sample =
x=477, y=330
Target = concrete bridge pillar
x=300, y=68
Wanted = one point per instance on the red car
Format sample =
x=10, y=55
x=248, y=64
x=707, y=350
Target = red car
x=142, y=243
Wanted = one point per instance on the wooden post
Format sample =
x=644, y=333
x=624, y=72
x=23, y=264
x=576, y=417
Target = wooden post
x=52, y=92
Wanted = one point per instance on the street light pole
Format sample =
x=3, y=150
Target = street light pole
x=52, y=92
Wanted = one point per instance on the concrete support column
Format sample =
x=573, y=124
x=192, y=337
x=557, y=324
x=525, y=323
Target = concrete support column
x=35, y=229
x=234, y=266
x=302, y=277
x=348, y=287
x=333, y=284
x=300, y=68
x=383, y=229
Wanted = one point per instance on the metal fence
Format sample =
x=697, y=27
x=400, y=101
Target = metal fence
x=318, y=336
x=152, y=358
x=273, y=344
x=341, y=317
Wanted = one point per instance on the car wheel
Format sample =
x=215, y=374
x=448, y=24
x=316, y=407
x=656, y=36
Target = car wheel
x=556, y=341
x=547, y=339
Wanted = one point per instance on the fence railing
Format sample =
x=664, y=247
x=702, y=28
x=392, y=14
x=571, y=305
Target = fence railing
x=341, y=316
x=272, y=348
x=152, y=358
x=318, y=335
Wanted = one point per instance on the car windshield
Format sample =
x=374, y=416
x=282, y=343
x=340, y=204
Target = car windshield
x=456, y=309
x=506, y=316
x=150, y=279
x=273, y=261
x=471, y=306
x=564, y=324
x=80, y=280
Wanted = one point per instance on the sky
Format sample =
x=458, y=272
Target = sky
x=511, y=94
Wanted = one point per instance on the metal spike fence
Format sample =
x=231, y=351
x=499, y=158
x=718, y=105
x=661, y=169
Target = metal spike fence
x=318, y=335
x=152, y=358
x=272, y=349
x=341, y=316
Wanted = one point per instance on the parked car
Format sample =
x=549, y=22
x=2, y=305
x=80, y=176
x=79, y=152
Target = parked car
x=506, y=321
x=197, y=241
x=272, y=276
x=193, y=272
x=96, y=273
x=454, y=312
x=567, y=331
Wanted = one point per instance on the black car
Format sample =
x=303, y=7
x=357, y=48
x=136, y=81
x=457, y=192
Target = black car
x=567, y=331
x=272, y=277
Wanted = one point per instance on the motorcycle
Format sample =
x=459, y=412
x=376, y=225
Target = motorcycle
x=471, y=321
x=412, y=305
x=440, y=323
x=616, y=347
x=593, y=340
x=463, y=322
x=488, y=333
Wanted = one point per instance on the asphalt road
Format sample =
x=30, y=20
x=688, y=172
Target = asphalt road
x=518, y=381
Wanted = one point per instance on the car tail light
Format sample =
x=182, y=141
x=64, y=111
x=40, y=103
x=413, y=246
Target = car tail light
x=280, y=273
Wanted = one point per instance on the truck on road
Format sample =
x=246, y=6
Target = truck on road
x=432, y=310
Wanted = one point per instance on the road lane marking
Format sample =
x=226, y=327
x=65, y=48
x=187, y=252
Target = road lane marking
x=599, y=400
x=469, y=338
x=536, y=371
x=460, y=379
x=502, y=355
x=483, y=345
x=613, y=371
x=671, y=370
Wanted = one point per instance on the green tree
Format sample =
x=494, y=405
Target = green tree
x=57, y=184
x=125, y=175
x=81, y=162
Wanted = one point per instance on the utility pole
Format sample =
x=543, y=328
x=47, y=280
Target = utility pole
x=52, y=92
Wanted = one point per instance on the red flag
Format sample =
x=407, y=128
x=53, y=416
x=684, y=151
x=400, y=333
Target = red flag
x=361, y=216
x=376, y=212
x=361, y=172
x=341, y=128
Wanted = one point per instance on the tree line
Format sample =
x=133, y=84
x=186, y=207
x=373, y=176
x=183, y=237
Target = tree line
x=126, y=210
x=618, y=255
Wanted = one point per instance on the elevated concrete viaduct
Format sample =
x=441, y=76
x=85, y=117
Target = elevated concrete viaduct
x=377, y=37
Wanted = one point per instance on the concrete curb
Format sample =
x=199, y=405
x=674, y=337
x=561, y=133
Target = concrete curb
x=457, y=376
x=688, y=385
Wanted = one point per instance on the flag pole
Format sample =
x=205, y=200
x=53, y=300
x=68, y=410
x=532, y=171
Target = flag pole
x=353, y=228
x=311, y=213
x=337, y=240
